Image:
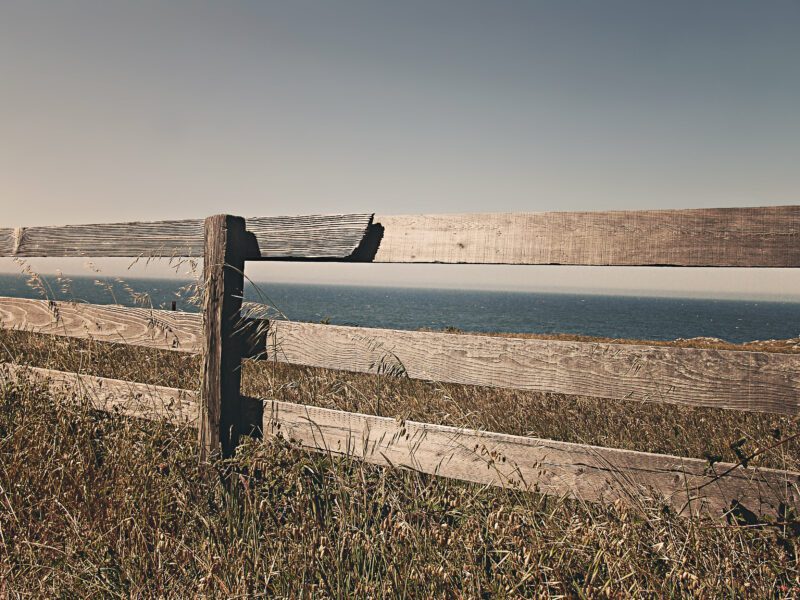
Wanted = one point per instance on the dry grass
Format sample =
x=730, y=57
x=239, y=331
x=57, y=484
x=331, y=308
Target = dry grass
x=98, y=505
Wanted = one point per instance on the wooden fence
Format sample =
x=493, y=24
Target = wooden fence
x=740, y=380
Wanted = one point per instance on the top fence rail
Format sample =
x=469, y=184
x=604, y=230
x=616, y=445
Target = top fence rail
x=314, y=237
x=725, y=237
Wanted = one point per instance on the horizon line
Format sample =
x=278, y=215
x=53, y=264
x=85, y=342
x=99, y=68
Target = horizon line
x=551, y=290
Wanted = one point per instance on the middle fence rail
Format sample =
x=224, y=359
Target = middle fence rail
x=729, y=379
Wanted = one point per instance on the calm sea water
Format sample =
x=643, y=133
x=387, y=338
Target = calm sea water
x=517, y=312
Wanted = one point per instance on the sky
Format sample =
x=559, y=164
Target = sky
x=117, y=111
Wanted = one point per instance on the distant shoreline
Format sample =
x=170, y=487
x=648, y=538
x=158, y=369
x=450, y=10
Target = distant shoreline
x=609, y=293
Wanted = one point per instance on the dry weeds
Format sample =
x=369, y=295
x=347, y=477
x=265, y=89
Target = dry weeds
x=98, y=505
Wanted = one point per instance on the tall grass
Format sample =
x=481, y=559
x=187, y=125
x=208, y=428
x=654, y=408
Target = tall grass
x=97, y=505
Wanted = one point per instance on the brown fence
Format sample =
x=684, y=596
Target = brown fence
x=740, y=380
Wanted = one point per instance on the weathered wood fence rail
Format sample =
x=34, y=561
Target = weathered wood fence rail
x=730, y=379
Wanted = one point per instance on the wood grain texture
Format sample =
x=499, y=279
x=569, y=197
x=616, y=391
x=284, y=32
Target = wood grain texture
x=113, y=395
x=304, y=237
x=742, y=237
x=223, y=272
x=589, y=473
x=309, y=237
x=725, y=237
x=754, y=381
x=580, y=471
x=162, y=329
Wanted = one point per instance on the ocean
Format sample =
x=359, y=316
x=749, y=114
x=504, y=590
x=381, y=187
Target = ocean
x=654, y=318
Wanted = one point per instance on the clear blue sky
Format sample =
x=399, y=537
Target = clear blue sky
x=115, y=111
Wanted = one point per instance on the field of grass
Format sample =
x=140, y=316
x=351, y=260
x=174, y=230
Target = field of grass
x=96, y=504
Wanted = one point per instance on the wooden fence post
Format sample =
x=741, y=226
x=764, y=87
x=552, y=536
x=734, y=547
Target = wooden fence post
x=223, y=272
